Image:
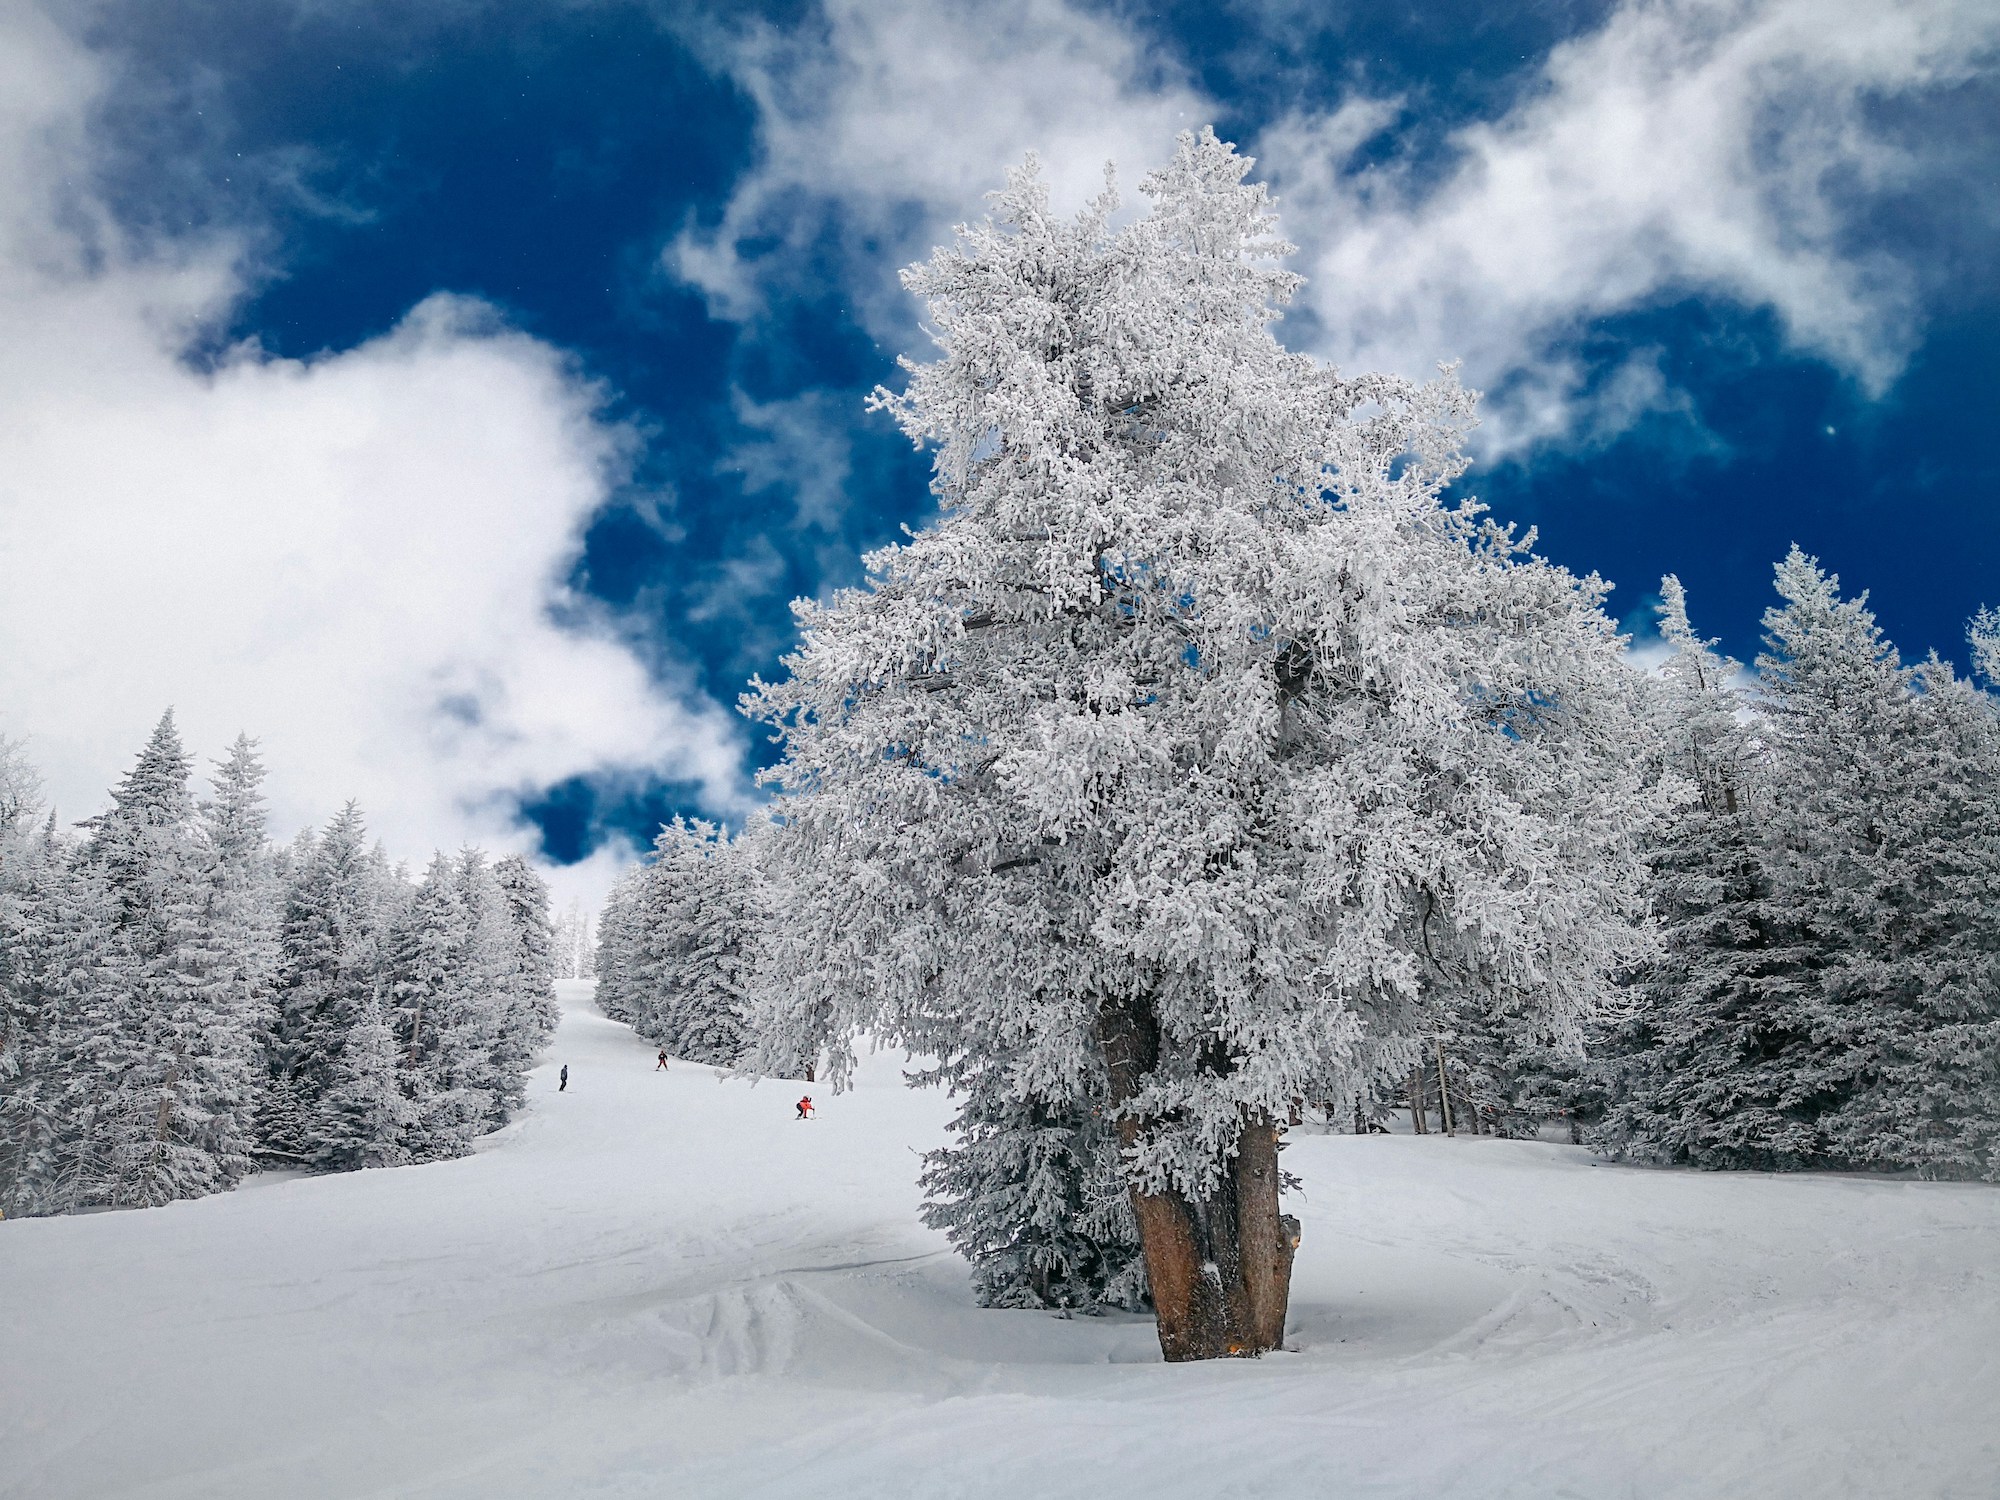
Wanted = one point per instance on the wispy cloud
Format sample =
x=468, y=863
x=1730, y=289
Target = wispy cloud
x=884, y=121
x=1687, y=147
x=1731, y=149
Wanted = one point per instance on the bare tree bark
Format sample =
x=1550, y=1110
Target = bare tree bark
x=1418, y=1124
x=1220, y=1264
x=1444, y=1089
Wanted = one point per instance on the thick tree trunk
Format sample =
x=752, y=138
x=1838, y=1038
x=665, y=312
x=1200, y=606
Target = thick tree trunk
x=1220, y=1264
x=1418, y=1124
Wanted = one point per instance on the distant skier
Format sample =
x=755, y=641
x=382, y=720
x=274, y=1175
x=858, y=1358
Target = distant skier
x=563, y=1083
x=806, y=1107
x=661, y=1065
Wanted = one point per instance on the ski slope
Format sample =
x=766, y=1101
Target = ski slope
x=662, y=1285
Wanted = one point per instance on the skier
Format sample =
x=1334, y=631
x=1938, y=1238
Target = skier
x=662, y=1064
x=563, y=1083
x=806, y=1107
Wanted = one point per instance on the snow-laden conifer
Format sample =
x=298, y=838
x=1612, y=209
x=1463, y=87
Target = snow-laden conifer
x=1198, y=737
x=679, y=939
x=619, y=954
x=1030, y=1192
x=1926, y=973
x=176, y=1053
x=574, y=943
x=528, y=968
x=1700, y=1067
x=365, y=1118
x=169, y=975
x=330, y=967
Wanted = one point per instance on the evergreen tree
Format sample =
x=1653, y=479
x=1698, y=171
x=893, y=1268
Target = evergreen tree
x=619, y=956
x=700, y=923
x=1700, y=1065
x=71, y=985
x=174, y=1120
x=329, y=967
x=1177, y=747
x=169, y=974
x=55, y=927
x=530, y=969
x=243, y=913
x=574, y=942
x=1031, y=1194
x=679, y=941
x=1840, y=710
x=422, y=980
x=364, y=1118
x=1924, y=980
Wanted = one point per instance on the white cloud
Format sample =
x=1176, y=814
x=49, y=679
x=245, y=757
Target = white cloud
x=355, y=558
x=1701, y=147
x=1687, y=146
x=903, y=114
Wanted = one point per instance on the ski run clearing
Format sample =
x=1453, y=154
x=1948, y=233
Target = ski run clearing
x=663, y=1285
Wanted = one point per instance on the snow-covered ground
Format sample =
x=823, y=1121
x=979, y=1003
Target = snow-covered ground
x=662, y=1285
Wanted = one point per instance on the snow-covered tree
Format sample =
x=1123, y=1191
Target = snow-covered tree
x=169, y=975
x=56, y=932
x=365, y=1118
x=1829, y=994
x=619, y=954
x=1030, y=1192
x=330, y=964
x=1983, y=634
x=574, y=944
x=679, y=939
x=701, y=923
x=1926, y=975
x=1198, y=738
x=529, y=967
x=243, y=904
x=1699, y=1064
x=176, y=1051
x=21, y=854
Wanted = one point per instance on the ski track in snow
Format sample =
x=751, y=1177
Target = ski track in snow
x=663, y=1285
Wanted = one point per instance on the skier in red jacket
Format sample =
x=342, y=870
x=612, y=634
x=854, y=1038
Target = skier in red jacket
x=806, y=1107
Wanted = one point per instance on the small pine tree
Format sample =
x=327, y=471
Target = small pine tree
x=364, y=1118
x=1030, y=1193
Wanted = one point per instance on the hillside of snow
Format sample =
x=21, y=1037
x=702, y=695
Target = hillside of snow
x=661, y=1284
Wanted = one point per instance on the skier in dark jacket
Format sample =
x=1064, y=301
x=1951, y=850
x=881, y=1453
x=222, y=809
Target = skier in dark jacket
x=657, y=1067
x=563, y=1083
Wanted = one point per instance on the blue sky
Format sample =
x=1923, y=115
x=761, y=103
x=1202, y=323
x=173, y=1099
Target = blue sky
x=1726, y=270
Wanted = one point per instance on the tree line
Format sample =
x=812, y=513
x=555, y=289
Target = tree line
x=181, y=1001
x=1208, y=761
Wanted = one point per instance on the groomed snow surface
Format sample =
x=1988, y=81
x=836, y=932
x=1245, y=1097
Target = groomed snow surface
x=663, y=1285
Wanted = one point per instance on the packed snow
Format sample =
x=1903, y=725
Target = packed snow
x=664, y=1284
